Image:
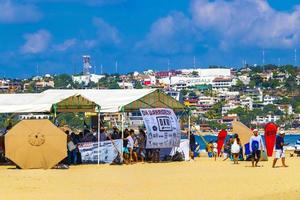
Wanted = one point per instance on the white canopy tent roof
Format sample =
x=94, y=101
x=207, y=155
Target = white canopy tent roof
x=20, y=103
x=108, y=100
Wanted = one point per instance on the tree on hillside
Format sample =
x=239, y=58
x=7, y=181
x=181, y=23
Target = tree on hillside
x=63, y=81
x=183, y=92
x=272, y=109
x=273, y=84
x=71, y=119
x=113, y=85
x=195, y=73
x=291, y=84
x=256, y=79
x=109, y=82
x=284, y=100
x=239, y=85
x=216, y=111
x=245, y=115
x=216, y=126
x=138, y=85
x=192, y=94
x=289, y=69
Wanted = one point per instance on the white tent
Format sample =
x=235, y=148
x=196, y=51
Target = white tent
x=19, y=103
x=109, y=100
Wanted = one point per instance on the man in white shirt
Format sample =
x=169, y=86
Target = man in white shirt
x=256, y=145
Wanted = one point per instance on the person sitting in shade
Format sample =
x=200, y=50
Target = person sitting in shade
x=256, y=145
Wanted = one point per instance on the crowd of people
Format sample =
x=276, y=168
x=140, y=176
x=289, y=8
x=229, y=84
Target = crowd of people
x=233, y=149
x=134, y=144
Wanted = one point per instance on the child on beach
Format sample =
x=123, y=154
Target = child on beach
x=215, y=150
x=130, y=145
x=209, y=149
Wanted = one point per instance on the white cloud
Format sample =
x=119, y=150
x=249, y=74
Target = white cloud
x=170, y=35
x=106, y=34
x=247, y=23
x=225, y=25
x=36, y=42
x=11, y=12
x=65, y=45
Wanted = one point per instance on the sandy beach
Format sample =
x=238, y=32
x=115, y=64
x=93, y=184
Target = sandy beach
x=199, y=179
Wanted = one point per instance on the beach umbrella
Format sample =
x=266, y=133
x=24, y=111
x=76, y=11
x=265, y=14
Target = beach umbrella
x=270, y=137
x=221, y=138
x=35, y=144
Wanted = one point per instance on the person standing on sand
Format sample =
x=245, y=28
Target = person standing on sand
x=209, y=149
x=256, y=145
x=130, y=145
x=227, y=149
x=279, y=151
x=235, y=149
x=215, y=149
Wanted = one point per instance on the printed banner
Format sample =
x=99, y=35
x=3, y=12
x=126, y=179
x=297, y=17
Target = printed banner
x=163, y=130
x=108, y=151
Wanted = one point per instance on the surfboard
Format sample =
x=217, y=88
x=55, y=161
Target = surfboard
x=221, y=139
x=270, y=137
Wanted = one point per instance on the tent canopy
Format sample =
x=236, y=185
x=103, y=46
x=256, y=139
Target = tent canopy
x=242, y=130
x=86, y=100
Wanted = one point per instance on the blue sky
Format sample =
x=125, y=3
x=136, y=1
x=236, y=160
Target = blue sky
x=54, y=34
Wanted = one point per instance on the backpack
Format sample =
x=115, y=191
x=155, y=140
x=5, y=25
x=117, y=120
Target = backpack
x=255, y=145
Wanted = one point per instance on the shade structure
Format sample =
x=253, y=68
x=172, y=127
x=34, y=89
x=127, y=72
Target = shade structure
x=35, y=144
x=242, y=130
x=110, y=101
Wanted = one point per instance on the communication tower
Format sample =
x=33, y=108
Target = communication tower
x=86, y=64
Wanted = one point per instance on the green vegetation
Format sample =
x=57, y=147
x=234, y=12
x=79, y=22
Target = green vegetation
x=73, y=120
x=63, y=81
x=215, y=125
x=215, y=112
x=138, y=85
x=110, y=82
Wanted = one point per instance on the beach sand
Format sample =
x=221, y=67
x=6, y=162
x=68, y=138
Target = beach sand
x=198, y=180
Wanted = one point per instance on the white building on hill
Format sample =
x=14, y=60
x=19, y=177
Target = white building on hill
x=205, y=76
x=86, y=79
x=210, y=72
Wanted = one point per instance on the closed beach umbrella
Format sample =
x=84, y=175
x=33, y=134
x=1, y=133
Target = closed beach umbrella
x=35, y=144
x=270, y=137
x=221, y=138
